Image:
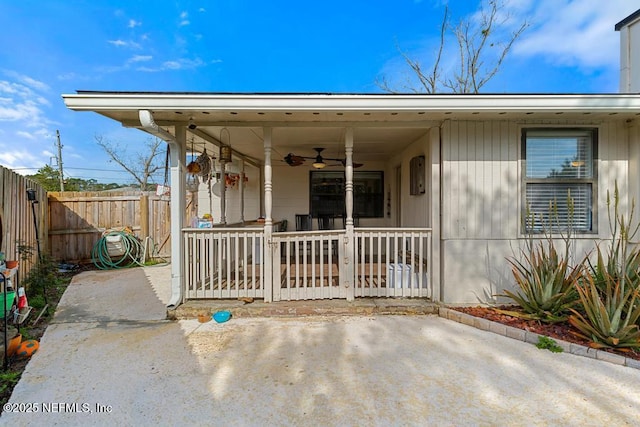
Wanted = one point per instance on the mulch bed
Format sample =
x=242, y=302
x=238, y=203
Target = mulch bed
x=562, y=331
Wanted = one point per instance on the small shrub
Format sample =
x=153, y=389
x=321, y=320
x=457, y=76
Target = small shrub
x=8, y=380
x=546, y=343
x=37, y=301
x=43, y=275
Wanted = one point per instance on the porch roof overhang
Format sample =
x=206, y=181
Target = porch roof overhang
x=382, y=122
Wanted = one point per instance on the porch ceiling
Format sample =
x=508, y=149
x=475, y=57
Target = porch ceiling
x=383, y=124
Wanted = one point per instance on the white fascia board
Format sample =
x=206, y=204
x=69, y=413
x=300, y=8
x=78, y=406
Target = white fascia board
x=313, y=102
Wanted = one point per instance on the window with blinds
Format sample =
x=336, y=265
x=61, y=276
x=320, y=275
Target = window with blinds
x=560, y=179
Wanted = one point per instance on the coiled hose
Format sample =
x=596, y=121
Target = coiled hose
x=126, y=253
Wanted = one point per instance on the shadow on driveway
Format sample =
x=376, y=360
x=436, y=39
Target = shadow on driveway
x=109, y=348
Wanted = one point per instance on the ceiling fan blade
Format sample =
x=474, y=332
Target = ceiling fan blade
x=355, y=165
x=293, y=160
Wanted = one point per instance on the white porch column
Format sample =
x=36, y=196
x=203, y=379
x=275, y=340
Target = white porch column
x=435, y=190
x=241, y=186
x=178, y=154
x=268, y=220
x=350, y=243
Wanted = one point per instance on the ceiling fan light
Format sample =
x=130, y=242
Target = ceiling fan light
x=319, y=162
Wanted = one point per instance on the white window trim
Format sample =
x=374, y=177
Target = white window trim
x=522, y=170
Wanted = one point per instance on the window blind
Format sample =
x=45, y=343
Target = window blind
x=559, y=179
x=559, y=207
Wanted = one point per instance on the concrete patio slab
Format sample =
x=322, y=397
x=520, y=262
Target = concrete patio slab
x=103, y=364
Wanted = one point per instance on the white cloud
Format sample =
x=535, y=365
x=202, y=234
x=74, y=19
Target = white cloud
x=24, y=125
x=117, y=42
x=572, y=32
x=133, y=23
x=19, y=102
x=24, y=134
x=184, y=19
x=140, y=58
x=11, y=158
x=122, y=43
x=177, y=64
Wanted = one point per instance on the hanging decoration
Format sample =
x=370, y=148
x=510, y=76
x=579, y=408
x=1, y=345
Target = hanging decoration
x=225, y=153
x=225, y=147
x=191, y=183
x=232, y=179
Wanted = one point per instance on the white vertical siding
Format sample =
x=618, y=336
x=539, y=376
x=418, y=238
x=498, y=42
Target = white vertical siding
x=480, y=180
x=630, y=58
x=481, y=195
x=613, y=167
x=634, y=162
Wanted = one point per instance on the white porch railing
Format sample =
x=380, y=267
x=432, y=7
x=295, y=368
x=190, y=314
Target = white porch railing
x=225, y=263
x=392, y=262
x=306, y=265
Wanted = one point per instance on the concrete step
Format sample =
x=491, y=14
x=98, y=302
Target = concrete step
x=258, y=308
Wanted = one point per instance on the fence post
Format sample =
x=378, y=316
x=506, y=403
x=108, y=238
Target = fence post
x=144, y=220
x=144, y=217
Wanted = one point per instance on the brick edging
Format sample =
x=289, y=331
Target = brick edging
x=532, y=338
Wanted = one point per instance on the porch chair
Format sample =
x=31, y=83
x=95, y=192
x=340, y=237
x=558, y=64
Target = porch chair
x=325, y=222
x=303, y=222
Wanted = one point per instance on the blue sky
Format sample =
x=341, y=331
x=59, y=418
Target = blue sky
x=55, y=47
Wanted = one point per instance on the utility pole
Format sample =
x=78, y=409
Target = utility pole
x=60, y=161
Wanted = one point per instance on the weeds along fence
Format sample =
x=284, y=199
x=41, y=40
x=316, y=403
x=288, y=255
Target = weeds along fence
x=19, y=217
x=78, y=219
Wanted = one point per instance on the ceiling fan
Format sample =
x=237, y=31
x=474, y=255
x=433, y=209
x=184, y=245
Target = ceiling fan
x=318, y=161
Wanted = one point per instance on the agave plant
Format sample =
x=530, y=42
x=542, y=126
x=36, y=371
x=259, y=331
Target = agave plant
x=545, y=280
x=611, y=312
x=623, y=257
x=546, y=284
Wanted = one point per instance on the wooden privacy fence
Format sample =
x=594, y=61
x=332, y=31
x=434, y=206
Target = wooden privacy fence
x=78, y=220
x=17, y=225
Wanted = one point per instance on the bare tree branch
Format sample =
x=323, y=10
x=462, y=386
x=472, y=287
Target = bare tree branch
x=476, y=66
x=144, y=166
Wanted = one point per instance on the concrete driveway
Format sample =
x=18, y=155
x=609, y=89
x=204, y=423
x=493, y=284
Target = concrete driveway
x=110, y=358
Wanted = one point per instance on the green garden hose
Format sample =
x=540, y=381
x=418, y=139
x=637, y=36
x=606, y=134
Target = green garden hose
x=131, y=251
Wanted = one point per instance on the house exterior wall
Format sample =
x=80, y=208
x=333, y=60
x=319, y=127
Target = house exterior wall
x=290, y=192
x=482, y=200
x=252, y=193
x=630, y=57
x=634, y=162
x=416, y=209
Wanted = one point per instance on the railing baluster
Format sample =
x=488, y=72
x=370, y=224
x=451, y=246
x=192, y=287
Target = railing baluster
x=225, y=263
